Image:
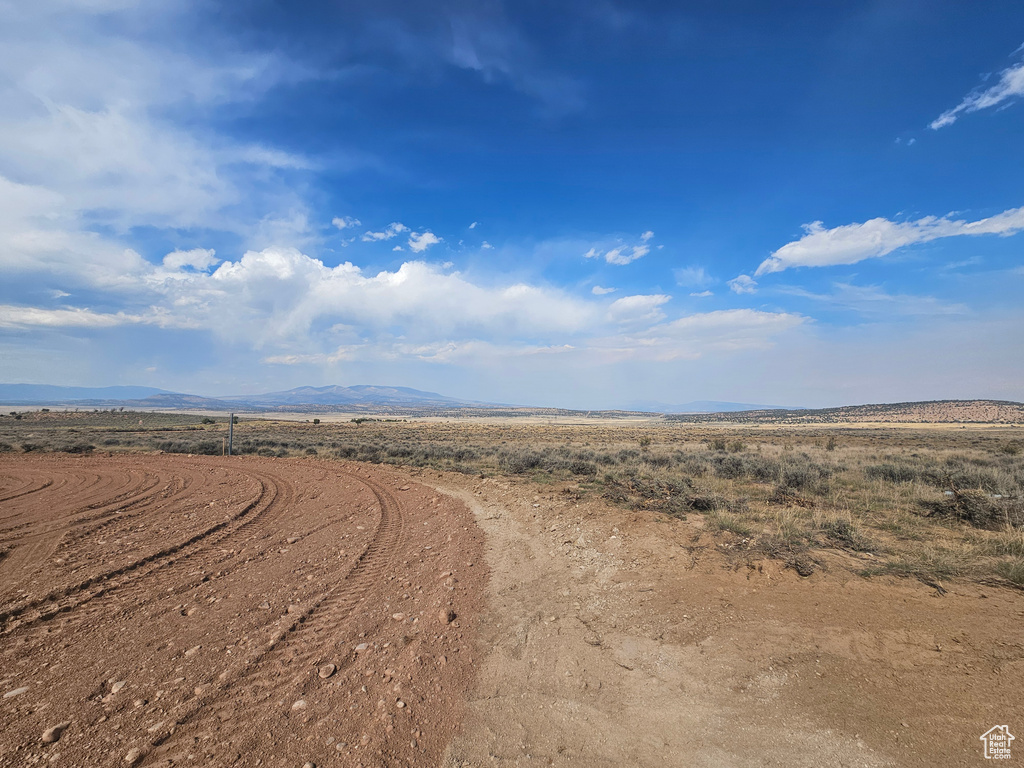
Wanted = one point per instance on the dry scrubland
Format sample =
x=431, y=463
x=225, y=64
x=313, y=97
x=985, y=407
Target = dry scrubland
x=931, y=502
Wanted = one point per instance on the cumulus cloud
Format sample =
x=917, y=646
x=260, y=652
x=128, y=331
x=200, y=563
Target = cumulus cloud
x=702, y=294
x=1010, y=85
x=743, y=284
x=394, y=229
x=294, y=309
x=474, y=225
x=851, y=243
x=197, y=258
x=486, y=246
x=344, y=222
x=597, y=290
x=420, y=242
x=646, y=236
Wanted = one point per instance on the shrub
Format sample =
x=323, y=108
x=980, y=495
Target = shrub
x=78, y=448
x=892, y=473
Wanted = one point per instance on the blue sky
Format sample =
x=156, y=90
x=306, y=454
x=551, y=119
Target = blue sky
x=583, y=204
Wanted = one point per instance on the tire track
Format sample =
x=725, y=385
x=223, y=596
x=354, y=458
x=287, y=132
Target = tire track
x=33, y=548
x=194, y=566
x=263, y=668
x=70, y=597
x=20, y=492
x=99, y=499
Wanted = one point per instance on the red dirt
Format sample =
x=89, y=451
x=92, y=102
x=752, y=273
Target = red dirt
x=177, y=610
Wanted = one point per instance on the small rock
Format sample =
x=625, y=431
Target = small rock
x=133, y=756
x=361, y=647
x=308, y=764
x=398, y=616
x=15, y=692
x=447, y=615
x=400, y=704
x=118, y=686
x=291, y=539
x=326, y=671
x=54, y=732
x=299, y=705
x=192, y=651
x=294, y=609
x=265, y=605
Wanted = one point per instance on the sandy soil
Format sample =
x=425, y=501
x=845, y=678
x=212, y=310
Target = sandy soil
x=165, y=610
x=205, y=611
x=619, y=638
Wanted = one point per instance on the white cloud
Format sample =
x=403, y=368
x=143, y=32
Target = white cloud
x=692, y=277
x=1010, y=85
x=638, y=309
x=344, y=222
x=702, y=294
x=621, y=253
x=851, y=243
x=12, y=316
x=597, y=290
x=743, y=284
x=626, y=254
x=197, y=258
x=474, y=225
x=420, y=242
x=487, y=246
x=393, y=229
x=398, y=248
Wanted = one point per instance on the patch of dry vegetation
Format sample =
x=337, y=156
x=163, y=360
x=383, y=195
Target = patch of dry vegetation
x=928, y=503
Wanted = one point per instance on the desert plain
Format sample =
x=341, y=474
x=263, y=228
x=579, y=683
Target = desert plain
x=446, y=592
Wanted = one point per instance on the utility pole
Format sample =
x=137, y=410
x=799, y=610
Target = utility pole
x=231, y=432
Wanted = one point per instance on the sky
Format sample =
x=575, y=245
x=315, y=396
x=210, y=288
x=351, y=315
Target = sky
x=577, y=204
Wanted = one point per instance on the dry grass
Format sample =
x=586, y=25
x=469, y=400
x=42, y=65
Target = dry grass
x=930, y=502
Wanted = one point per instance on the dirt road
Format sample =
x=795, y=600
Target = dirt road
x=166, y=610
x=620, y=638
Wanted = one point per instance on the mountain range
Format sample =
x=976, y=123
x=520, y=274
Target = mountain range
x=356, y=397
x=333, y=397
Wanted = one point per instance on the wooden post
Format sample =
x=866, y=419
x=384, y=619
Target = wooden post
x=231, y=432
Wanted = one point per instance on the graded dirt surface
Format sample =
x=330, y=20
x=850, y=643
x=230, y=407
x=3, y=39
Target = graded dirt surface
x=628, y=638
x=170, y=610
x=175, y=610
